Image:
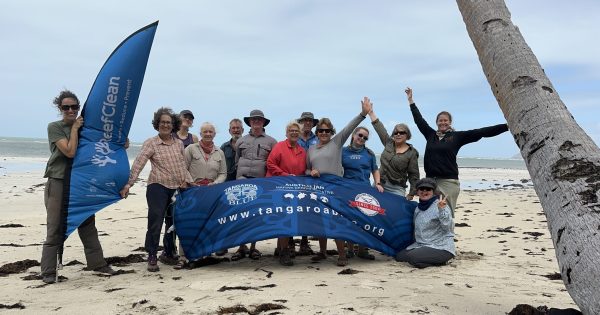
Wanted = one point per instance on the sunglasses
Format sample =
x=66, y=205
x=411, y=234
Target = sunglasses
x=323, y=130
x=360, y=135
x=65, y=108
x=425, y=189
x=401, y=133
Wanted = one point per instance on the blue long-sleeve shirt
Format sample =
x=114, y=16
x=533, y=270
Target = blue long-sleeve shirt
x=433, y=228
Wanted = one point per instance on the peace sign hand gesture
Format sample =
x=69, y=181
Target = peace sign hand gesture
x=442, y=203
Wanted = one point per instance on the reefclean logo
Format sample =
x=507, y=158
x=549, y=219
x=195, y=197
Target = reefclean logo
x=102, y=147
x=240, y=194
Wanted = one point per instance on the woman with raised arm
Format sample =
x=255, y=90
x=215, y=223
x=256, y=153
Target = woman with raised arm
x=399, y=159
x=442, y=147
x=326, y=158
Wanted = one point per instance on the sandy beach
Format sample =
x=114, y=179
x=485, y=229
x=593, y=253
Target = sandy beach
x=505, y=257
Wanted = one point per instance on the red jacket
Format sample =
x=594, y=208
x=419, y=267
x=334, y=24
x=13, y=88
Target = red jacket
x=285, y=160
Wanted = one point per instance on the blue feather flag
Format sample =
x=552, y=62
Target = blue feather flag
x=100, y=167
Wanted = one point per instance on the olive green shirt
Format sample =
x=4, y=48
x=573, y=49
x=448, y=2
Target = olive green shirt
x=57, y=162
x=397, y=168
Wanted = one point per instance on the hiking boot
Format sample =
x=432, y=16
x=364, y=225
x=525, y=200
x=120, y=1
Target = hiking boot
x=152, y=263
x=49, y=279
x=364, y=254
x=284, y=257
x=167, y=259
x=318, y=257
x=107, y=270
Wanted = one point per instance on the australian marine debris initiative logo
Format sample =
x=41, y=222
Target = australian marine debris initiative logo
x=240, y=194
x=367, y=204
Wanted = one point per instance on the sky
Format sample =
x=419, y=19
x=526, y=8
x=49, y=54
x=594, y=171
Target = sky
x=221, y=59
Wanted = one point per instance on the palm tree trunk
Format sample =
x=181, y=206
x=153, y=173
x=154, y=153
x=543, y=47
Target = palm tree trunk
x=563, y=161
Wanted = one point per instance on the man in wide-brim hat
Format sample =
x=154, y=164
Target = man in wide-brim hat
x=256, y=113
x=251, y=159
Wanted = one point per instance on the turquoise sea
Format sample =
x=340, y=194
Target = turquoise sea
x=19, y=155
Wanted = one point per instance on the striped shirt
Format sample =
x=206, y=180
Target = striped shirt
x=167, y=161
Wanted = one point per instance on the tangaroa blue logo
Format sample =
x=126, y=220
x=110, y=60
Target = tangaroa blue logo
x=367, y=204
x=241, y=194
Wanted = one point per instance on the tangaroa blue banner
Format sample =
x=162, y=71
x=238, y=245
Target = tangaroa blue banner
x=100, y=167
x=226, y=215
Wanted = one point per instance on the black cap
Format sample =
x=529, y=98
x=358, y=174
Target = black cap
x=426, y=182
x=186, y=112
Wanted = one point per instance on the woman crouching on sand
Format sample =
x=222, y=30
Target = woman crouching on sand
x=168, y=173
x=433, y=223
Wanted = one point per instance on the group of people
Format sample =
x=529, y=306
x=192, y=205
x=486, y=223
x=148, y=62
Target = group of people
x=180, y=159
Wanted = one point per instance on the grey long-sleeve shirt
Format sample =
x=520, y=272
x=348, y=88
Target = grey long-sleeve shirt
x=328, y=158
x=433, y=228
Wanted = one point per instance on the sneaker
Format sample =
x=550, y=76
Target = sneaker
x=49, y=279
x=284, y=257
x=167, y=260
x=107, y=270
x=152, y=263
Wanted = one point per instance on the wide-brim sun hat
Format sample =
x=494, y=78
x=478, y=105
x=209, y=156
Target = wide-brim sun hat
x=256, y=113
x=308, y=115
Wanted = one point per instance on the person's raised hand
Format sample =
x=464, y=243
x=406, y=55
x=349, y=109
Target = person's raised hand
x=409, y=95
x=442, y=203
x=367, y=106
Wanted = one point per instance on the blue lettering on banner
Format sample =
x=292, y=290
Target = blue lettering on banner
x=225, y=215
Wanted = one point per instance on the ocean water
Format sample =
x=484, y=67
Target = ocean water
x=18, y=155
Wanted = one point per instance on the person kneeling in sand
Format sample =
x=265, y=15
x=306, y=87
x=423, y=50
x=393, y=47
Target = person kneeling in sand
x=433, y=224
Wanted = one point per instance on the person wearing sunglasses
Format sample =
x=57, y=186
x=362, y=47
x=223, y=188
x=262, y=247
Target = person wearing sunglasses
x=326, y=158
x=433, y=229
x=359, y=164
x=399, y=159
x=168, y=173
x=288, y=158
x=442, y=147
x=63, y=138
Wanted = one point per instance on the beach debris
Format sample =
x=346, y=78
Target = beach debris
x=11, y=225
x=348, y=309
x=534, y=234
x=34, y=276
x=503, y=230
x=117, y=273
x=178, y=299
x=425, y=310
x=12, y=245
x=12, y=306
x=553, y=276
x=448, y=284
x=507, y=214
x=269, y=273
x=462, y=224
x=120, y=261
x=280, y=301
x=141, y=302
x=321, y=285
x=468, y=285
x=246, y=288
x=348, y=271
x=17, y=266
x=176, y=278
x=526, y=309
x=113, y=290
x=253, y=310
x=206, y=261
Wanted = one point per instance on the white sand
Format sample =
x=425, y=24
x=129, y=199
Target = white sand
x=493, y=272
